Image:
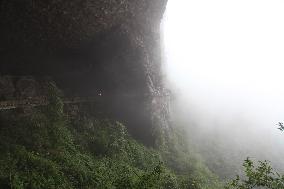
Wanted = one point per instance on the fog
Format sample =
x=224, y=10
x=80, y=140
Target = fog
x=224, y=62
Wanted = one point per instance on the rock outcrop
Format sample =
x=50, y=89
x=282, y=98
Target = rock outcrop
x=109, y=48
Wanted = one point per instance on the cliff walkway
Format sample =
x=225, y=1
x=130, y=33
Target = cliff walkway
x=41, y=101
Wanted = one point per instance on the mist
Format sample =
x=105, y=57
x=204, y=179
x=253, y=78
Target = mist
x=224, y=62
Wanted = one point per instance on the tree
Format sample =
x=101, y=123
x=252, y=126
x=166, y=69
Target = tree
x=258, y=176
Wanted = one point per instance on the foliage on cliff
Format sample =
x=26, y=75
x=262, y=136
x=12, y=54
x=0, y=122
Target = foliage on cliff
x=258, y=175
x=44, y=149
x=261, y=175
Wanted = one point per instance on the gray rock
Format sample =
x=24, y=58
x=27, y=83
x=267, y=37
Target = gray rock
x=7, y=88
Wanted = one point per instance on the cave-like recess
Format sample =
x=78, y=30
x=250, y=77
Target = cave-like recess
x=109, y=49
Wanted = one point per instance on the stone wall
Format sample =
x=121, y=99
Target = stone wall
x=105, y=47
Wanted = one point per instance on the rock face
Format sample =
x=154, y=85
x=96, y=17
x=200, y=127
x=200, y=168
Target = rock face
x=108, y=48
x=7, y=88
x=22, y=87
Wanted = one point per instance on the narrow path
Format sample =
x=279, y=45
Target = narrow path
x=40, y=101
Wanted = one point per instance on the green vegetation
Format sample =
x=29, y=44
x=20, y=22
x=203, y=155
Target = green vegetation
x=44, y=149
x=260, y=176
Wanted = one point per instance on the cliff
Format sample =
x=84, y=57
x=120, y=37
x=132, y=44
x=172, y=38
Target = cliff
x=108, y=49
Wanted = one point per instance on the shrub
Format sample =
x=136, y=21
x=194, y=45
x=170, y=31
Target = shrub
x=46, y=150
x=260, y=176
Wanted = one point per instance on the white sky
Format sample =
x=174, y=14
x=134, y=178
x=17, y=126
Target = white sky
x=226, y=57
